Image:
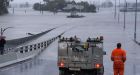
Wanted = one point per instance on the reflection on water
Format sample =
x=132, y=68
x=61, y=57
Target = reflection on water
x=24, y=67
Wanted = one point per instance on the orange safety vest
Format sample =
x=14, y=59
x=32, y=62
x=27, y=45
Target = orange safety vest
x=119, y=57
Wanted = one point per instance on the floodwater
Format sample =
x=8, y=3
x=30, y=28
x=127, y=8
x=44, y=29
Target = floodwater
x=93, y=25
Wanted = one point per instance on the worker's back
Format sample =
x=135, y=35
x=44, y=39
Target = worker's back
x=118, y=54
x=119, y=57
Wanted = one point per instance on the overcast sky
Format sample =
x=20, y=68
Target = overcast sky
x=33, y=1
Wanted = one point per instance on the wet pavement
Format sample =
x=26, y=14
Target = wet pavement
x=93, y=25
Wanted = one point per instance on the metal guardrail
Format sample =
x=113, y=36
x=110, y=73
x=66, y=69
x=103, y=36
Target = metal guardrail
x=29, y=48
x=21, y=53
x=15, y=42
x=137, y=42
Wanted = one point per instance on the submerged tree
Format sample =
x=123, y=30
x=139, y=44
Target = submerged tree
x=3, y=6
x=59, y=5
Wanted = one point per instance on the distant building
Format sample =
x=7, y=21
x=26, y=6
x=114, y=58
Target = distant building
x=130, y=7
x=71, y=6
x=107, y=4
x=3, y=6
x=25, y=5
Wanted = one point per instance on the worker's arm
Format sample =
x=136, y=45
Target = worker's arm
x=112, y=58
x=124, y=56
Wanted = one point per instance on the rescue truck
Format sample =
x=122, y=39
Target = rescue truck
x=80, y=58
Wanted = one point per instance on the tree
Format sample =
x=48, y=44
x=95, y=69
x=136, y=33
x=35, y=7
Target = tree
x=55, y=5
x=107, y=4
x=27, y=4
x=60, y=4
x=87, y=7
x=92, y=8
x=36, y=6
x=3, y=6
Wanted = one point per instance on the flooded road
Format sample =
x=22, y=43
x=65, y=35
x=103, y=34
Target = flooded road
x=93, y=25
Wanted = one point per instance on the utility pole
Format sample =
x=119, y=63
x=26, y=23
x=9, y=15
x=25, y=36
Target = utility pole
x=1, y=32
x=135, y=20
x=115, y=10
x=40, y=7
x=13, y=10
x=119, y=13
x=125, y=10
x=134, y=69
x=99, y=5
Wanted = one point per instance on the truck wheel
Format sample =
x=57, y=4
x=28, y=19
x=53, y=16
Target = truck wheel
x=64, y=72
x=100, y=71
x=61, y=72
x=93, y=72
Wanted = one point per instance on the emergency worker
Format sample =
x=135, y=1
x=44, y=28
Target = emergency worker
x=2, y=43
x=118, y=57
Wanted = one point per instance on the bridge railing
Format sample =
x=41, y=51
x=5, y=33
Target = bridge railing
x=29, y=48
x=15, y=42
x=22, y=53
